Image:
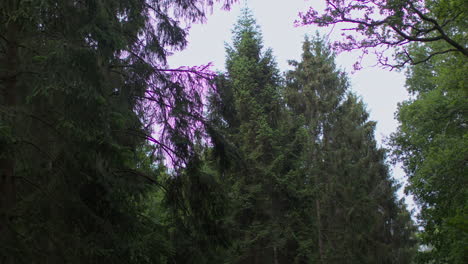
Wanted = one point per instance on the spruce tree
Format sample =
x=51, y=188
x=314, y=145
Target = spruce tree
x=82, y=84
x=245, y=111
x=352, y=215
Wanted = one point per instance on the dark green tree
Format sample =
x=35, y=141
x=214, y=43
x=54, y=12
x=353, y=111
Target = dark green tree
x=314, y=89
x=350, y=213
x=245, y=113
x=82, y=85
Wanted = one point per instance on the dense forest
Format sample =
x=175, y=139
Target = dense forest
x=109, y=155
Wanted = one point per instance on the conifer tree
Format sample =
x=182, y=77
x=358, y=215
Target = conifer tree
x=82, y=83
x=245, y=111
x=352, y=214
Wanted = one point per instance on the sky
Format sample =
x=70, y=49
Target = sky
x=380, y=89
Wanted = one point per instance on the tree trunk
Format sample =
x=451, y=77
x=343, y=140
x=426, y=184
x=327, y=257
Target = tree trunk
x=319, y=230
x=314, y=156
x=275, y=255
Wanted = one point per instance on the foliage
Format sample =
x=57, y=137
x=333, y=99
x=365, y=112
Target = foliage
x=391, y=25
x=352, y=213
x=83, y=83
x=430, y=37
x=245, y=111
x=431, y=142
x=108, y=156
x=305, y=179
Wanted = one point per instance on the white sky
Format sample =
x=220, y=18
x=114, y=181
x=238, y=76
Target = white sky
x=380, y=89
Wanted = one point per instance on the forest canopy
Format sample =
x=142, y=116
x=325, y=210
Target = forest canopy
x=109, y=155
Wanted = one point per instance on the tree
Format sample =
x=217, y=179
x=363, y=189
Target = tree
x=82, y=85
x=350, y=210
x=245, y=113
x=314, y=89
x=431, y=142
x=380, y=26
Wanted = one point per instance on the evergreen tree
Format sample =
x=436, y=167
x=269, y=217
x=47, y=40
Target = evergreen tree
x=245, y=111
x=82, y=84
x=351, y=211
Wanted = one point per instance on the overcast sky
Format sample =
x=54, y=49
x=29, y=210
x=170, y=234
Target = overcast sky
x=380, y=89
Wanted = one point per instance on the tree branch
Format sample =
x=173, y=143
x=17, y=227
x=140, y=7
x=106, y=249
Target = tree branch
x=443, y=35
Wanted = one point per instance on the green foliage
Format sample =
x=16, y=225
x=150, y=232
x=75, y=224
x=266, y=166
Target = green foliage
x=244, y=111
x=431, y=36
x=82, y=84
x=431, y=141
x=392, y=26
x=289, y=173
x=353, y=215
x=304, y=178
